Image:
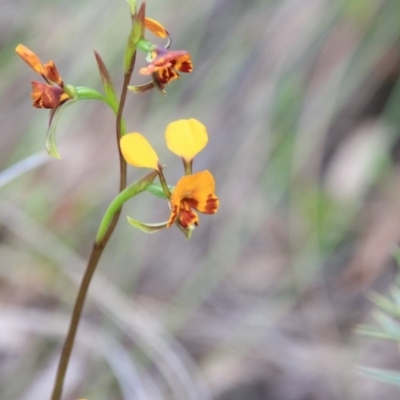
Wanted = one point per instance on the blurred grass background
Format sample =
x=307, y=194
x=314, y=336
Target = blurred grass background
x=301, y=100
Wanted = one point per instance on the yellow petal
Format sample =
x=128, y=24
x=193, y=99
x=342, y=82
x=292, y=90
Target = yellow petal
x=138, y=152
x=155, y=27
x=186, y=137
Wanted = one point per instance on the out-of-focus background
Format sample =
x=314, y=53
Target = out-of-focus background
x=301, y=99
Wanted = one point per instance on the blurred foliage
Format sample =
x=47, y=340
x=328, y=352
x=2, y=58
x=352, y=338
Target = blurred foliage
x=387, y=315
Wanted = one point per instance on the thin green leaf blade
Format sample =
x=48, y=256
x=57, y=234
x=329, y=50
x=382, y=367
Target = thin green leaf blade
x=157, y=190
x=381, y=375
x=51, y=132
x=145, y=227
x=135, y=34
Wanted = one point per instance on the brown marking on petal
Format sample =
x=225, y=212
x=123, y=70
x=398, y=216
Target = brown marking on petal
x=188, y=218
x=165, y=63
x=157, y=83
x=193, y=203
x=167, y=75
x=173, y=216
x=163, y=77
x=186, y=66
x=183, y=63
x=212, y=204
x=172, y=59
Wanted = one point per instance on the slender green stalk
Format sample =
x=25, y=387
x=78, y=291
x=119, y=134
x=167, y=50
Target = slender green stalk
x=117, y=203
x=96, y=253
x=74, y=323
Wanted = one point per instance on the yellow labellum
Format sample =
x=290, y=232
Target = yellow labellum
x=193, y=192
x=186, y=137
x=138, y=152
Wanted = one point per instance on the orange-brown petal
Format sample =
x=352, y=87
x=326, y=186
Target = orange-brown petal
x=47, y=96
x=155, y=27
x=30, y=58
x=179, y=60
x=51, y=73
x=183, y=63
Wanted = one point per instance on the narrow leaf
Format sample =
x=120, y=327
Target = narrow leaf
x=388, y=324
x=384, y=304
x=396, y=255
x=137, y=32
x=51, y=132
x=381, y=375
x=108, y=85
x=132, y=7
x=395, y=292
x=376, y=333
x=141, y=89
x=157, y=190
x=147, y=228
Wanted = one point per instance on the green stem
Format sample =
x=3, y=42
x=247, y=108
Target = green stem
x=145, y=46
x=132, y=6
x=132, y=190
x=97, y=250
x=163, y=182
x=86, y=93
